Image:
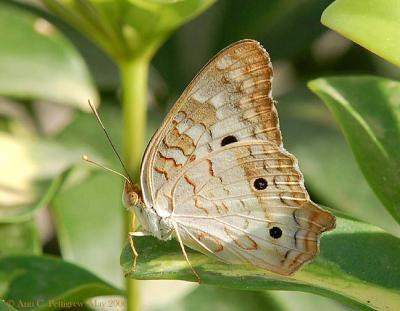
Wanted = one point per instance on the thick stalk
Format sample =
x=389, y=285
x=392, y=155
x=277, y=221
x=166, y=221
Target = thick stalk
x=134, y=74
x=134, y=108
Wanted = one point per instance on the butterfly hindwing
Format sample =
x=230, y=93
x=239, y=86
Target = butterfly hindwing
x=250, y=197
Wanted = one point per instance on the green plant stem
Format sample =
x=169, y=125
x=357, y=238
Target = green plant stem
x=134, y=106
x=134, y=75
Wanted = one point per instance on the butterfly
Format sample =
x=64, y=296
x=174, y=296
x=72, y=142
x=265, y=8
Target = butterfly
x=216, y=176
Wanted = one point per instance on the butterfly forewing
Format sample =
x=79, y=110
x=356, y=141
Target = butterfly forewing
x=229, y=100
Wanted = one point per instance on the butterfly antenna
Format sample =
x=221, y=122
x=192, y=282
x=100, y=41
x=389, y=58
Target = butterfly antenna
x=85, y=158
x=112, y=146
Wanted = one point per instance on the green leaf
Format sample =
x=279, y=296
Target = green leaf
x=305, y=301
x=374, y=24
x=205, y=298
x=89, y=219
x=89, y=213
x=19, y=238
x=85, y=135
x=5, y=306
x=42, y=195
x=40, y=281
x=38, y=63
x=129, y=28
x=32, y=169
x=309, y=132
x=356, y=265
x=367, y=109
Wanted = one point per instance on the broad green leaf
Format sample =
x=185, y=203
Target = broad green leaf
x=356, y=265
x=205, y=298
x=299, y=301
x=38, y=63
x=89, y=219
x=19, y=238
x=368, y=111
x=309, y=132
x=41, y=282
x=43, y=194
x=103, y=70
x=89, y=213
x=85, y=134
x=27, y=167
x=32, y=171
x=374, y=24
x=127, y=28
x=4, y=306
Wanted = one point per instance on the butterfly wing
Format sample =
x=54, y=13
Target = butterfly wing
x=229, y=100
x=201, y=165
x=246, y=203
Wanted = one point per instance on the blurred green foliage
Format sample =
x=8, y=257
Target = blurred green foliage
x=370, y=23
x=47, y=69
x=41, y=282
x=127, y=28
x=367, y=109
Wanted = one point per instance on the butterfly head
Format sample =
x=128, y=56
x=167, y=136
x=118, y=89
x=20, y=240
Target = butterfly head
x=131, y=196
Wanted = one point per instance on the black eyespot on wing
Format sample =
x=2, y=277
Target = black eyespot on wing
x=275, y=232
x=228, y=140
x=260, y=183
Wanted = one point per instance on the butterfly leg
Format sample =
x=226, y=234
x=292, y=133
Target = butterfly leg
x=135, y=253
x=185, y=254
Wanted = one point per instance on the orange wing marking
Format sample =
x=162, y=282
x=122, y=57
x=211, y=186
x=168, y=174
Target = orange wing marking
x=166, y=165
x=216, y=246
x=247, y=243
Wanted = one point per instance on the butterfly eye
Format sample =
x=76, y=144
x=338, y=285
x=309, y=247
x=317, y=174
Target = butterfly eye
x=228, y=140
x=133, y=197
x=275, y=232
x=260, y=183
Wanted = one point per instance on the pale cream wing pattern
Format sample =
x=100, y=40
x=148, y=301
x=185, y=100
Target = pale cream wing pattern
x=229, y=100
x=221, y=137
x=246, y=203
